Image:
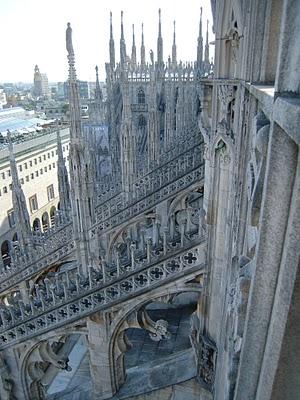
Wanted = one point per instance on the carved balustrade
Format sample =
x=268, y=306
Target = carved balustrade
x=177, y=173
x=70, y=297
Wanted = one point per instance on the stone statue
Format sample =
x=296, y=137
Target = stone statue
x=69, y=44
x=152, y=57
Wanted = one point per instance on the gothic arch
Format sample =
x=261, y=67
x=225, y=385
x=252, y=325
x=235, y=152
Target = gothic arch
x=28, y=351
x=117, y=345
x=117, y=234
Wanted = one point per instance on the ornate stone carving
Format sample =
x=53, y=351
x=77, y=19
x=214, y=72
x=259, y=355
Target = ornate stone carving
x=6, y=380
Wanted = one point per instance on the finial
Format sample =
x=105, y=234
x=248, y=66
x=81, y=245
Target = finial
x=111, y=27
x=133, y=36
x=174, y=34
x=159, y=22
x=122, y=30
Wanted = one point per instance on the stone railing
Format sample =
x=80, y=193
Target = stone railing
x=54, y=246
x=71, y=297
x=170, y=182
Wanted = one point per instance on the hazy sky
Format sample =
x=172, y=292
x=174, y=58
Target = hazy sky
x=33, y=32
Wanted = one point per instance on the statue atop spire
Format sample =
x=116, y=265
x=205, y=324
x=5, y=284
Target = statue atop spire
x=122, y=44
x=206, y=52
x=69, y=43
x=75, y=107
x=160, y=57
x=111, y=45
x=174, y=49
x=133, y=51
x=143, y=53
x=200, y=46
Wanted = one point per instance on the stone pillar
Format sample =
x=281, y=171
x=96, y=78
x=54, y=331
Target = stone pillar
x=278, y=188
x=100, y=363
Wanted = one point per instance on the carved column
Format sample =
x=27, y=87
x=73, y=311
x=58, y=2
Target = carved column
x=100, y=363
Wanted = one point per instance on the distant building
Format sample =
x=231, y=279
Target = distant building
x=41, y=86
x=13, y=112
x=3, y=101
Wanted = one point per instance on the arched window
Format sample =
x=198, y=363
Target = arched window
x=5, y=252
x=45, y=221
x=36, y=225
x=52, y=215
x=141, y=96
x=142, y=134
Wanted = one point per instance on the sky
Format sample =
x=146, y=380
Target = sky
x=33, y=32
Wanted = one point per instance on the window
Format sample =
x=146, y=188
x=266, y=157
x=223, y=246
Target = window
x=20, y=168
x=10, y=186
x=32, y=176
x=41, y=171
x=9, y=174
x=141, y=96
x=48, y=154
x=49, y=167
x=25, y=165
x=33, y=204
x=52, y=153
x=5, y=189
x=11, y=218
x=27, y=178
x=3, y=175
x=36, y=173
x=35, y=161
x=40, y=159
x=44, y=157
x=45, y=169
x=30, y=163
x=22, y=181
x=50, y=192
x=53, y=165
x=63, y=149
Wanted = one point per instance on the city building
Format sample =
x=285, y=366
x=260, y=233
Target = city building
x=3, y=101
x=171, y=270
x=36, y=162
x=41, y=86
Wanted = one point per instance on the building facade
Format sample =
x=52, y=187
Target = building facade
x=174, y=274
x=41, y=86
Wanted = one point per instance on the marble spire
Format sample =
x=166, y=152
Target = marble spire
x=21, y=215
x=200, y=44
x=111, y=45
x=133, y=50
x=206, y=51
x=62, y=177
x=74, y=100
x=160, y=57
x=174, y=48
x=122, y=44
x=143, y=53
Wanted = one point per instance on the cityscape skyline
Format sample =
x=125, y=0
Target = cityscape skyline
x=42, y=40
